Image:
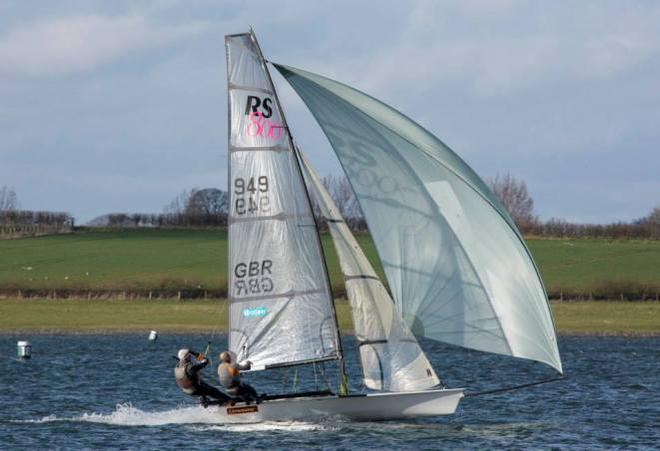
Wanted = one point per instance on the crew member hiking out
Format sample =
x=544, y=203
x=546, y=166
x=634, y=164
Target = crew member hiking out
x=186, y=374
x=229, y=372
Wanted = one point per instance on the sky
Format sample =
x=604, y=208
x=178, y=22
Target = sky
x=120, y=106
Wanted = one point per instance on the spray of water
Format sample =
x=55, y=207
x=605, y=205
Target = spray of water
x=197, y=417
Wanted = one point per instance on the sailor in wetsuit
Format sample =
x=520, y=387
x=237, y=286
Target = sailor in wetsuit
x=230, y=378
x=190, y=382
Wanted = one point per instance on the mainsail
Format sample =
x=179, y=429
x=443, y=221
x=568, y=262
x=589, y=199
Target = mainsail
x=457, y=267
x=280, y=304
x=390, y=355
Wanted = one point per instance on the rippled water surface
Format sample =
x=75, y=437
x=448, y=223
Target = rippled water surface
x=117, y=391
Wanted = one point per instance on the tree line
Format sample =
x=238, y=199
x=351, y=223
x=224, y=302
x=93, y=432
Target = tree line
x=210, y=208
x=11, y=214
x=513, y=195
x=191, y=208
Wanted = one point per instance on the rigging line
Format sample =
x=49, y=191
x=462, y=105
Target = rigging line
x=207, y=349
x=222, y=308
x=323, y=374
x=285, y=379
x=316, y=380
x=295, y=380
x=514, y=387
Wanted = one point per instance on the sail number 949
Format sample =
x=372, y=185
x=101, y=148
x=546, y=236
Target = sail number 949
x=251, y=195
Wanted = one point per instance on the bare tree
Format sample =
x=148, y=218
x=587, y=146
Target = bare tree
x=8, y=199
x=136, y=219
x=653, y=222
x=178, y=204
x=342, y=194
x=197, y=207
x=209, y=201
x=513, y=195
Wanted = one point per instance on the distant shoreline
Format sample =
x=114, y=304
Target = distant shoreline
x=145, y=332
x=117, y=316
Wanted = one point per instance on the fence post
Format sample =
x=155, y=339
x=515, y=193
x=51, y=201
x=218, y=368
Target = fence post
x=179, y=295
x=561, y=295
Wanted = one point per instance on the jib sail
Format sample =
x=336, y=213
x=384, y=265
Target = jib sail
x=390, y=355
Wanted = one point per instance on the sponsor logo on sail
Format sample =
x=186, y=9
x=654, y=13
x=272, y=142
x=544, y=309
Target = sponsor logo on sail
x=255, y=312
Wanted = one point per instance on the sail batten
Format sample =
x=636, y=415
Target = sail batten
x=277, y=148
x=280, y=304
x=288, y=294
x=457, y=266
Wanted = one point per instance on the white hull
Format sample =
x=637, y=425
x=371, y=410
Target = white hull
x=378, y=406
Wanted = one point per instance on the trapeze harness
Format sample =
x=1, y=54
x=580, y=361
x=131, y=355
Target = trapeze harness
x=187, y=377
x=229, y=376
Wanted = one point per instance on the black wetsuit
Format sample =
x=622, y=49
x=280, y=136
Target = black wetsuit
x=188, y=379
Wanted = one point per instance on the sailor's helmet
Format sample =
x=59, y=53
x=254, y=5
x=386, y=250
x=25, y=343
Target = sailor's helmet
x=183, y=353
x=227, y=356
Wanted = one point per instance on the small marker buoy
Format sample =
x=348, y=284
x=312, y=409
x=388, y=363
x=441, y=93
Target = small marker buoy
x=153, y=335
x=24, y=349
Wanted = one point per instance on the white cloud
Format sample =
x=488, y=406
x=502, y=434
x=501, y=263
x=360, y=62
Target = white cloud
x=495, y=48
x=550, y=91
x=64, y=45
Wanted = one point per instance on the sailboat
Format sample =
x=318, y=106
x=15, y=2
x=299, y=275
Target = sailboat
x=457, y=268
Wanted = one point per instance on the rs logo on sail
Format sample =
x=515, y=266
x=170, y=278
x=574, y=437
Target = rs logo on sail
x=259, y=111
x=253, y=104
x=253, y=277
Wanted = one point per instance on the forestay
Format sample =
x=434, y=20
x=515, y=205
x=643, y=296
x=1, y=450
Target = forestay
x=280, y=310
x=390, y=355
x=457, y=267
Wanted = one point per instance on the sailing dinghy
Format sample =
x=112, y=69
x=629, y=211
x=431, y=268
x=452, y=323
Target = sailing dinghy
x=457, y=268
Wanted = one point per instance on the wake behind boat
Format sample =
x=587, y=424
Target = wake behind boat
x=457, y=268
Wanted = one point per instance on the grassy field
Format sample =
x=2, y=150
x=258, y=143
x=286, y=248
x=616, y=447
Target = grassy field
x=131, y=259
x=116, y=315
x=597, y=266
x=606, y=317
x=177, y=259
x=140, y=315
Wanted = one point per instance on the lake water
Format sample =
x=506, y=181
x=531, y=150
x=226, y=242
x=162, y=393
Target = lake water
x=117, y=391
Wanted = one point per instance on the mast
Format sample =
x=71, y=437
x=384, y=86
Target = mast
x=285, y=125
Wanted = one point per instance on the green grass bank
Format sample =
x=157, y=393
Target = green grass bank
x=169, y=259
x=171, y=315
x=123, y=315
